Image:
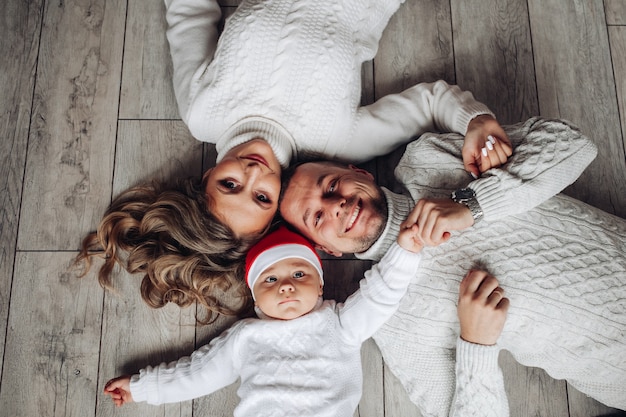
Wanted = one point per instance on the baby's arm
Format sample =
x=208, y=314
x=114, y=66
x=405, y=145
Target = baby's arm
x=409, y=237
x=119, y=390
x=479, y=383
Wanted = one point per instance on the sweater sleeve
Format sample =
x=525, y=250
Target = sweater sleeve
x=548, y=156
x=396, y=118
x=479, y=382
x=208, y=369
x=379, y=294
x=192, y=33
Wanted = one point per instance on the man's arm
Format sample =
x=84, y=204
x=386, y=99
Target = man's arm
x=482, y=312
x=192, y=33
x=548, y=156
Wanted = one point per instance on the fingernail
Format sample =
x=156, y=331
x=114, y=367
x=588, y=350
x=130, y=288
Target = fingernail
x=474, y=175
x=484, y=150
x=489, y=146
x=491, y=139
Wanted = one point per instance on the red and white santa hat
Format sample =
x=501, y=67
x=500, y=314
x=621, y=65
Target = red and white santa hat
x=276, y=246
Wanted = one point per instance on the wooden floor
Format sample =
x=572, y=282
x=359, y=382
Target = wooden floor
x=87, y=110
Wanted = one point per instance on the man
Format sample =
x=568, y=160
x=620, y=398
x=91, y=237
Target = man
x=562, y=262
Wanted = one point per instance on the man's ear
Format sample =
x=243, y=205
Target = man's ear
x=330, y=252
x=361, y=171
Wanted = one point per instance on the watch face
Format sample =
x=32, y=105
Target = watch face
x=464, y=194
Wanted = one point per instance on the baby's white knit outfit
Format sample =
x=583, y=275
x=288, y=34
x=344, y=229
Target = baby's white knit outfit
x=561, y=262
x=290, y=72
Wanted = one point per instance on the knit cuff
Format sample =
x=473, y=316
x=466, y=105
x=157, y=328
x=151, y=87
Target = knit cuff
x=139, y=388
x=473, y=358
x=468, y=112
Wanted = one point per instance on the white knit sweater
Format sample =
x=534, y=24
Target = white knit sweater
x=290, y=72
x=561, y=262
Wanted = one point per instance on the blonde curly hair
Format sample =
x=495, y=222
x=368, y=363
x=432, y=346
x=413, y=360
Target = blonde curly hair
x=185, y=253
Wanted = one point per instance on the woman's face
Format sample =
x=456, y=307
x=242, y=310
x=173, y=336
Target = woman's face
x=243, y=188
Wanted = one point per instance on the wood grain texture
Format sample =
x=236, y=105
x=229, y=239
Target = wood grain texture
x=53, y=340
x=70, y=155
x=615, y=12
x=493, y=56
x=147, y=91
x=575, y=82
x=19, y=45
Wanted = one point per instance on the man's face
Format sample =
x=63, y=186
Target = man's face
x=340, y=208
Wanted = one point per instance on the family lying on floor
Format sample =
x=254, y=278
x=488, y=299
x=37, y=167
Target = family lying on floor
x=481, y=252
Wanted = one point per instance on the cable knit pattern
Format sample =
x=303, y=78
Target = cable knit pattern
x=561, y=263
x=290, y=72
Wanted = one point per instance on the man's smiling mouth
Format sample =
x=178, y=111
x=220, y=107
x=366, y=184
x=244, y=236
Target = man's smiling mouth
x=355, y=215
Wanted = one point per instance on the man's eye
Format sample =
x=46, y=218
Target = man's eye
x=270, y=279
x=318, y=216
x=298, y=274
x=332, y=186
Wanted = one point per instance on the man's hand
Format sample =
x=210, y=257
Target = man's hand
x=437, y=217
x=119, y=390
x=482, y=308
x=486, y=145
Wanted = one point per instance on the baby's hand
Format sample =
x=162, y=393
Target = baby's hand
x=119, y=390
x=409, y=238
x=482, y=308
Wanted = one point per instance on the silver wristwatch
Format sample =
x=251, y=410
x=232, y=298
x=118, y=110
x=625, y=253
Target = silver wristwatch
x=467, y=197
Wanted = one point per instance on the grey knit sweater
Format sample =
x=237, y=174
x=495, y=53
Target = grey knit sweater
x=561, y=262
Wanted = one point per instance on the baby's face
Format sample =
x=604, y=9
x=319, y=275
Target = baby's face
x=288, y=289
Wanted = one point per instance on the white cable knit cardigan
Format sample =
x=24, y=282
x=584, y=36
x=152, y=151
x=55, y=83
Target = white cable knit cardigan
x=561, y=262
x=290, y=72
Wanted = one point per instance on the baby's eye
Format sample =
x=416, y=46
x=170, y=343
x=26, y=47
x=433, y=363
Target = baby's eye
x=298, y=274
x=270, y=279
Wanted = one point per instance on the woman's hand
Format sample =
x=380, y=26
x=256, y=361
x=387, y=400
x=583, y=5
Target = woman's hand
x=486, y=145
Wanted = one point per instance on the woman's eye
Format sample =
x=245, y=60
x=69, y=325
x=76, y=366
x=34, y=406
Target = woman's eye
x=263, y=198
x=231, y=185
x=298, y=274
x=270, y=279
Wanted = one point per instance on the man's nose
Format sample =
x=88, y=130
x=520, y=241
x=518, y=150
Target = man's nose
x=335, y=205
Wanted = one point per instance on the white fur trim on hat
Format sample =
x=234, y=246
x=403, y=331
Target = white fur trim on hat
x=278, y=253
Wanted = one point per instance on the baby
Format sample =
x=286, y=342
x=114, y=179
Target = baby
x=301, y=357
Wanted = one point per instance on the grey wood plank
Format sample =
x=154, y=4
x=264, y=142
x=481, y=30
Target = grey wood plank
x=53, y=337
x=617, y=39
x=575, y=81
x=493, y=56
x=415, y=47
x=70, y=155
x=615, y=12
x=583, y=406
x=19, y=44
x=147, y=91
x=160, y=150
x=134, y=336
x=397, y=401
x=531, y=391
